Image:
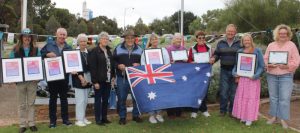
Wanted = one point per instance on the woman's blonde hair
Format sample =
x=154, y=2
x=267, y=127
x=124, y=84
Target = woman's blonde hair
x=252, y=42
x=153, y=35
x=278, y=28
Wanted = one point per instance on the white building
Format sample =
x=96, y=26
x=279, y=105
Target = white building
x=86, y=13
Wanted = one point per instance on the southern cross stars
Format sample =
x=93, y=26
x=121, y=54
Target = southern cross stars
x=151, y=95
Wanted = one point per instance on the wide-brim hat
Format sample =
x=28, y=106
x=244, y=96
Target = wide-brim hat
x=26, y=32
x=129, y=32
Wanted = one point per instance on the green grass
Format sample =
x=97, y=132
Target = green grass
x=214, y=124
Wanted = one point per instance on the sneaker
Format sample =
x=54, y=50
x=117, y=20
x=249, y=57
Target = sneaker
x=248, y=123
x=22, y=130
x=152, y=119
x=87, y=122
x=33, y=129
x=194, y=115
x=80, y=123
x=284, y=124
x=206, y=114
x=67, y=123
x=137, y=119
x=106, y=121
x=271, y=121
x=52, y=125
x=159, y=118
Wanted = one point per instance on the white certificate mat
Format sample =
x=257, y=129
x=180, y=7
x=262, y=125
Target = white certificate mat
x=72, y=60
x=278, y=57
x=54, y=69
x=246, y=65
x=201, y=57
x=33, y=68
x=179, y=55
x=154, y=56
x=12, y=70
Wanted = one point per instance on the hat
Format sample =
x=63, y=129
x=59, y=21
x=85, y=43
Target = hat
x=129, y=33
x=27, y=32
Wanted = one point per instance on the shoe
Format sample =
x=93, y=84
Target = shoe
x=52, y=125
x=137, y=119
x=80, y=123
x=248, y=123
x=33, y=129
x=194, y=115
x=22, y=130
x=87, y=122
x=67, y=123
x=271, y=121
x=122, y=121
x=160, y=118
x=106, y=121
x=206, y=114
x=152, y=119
x=222, y=114
x=100, y=123
x=284, y=124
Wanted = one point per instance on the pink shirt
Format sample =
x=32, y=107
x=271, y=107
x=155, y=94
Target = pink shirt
x=293, y=57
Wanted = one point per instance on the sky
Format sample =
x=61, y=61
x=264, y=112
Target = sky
x=148, y=10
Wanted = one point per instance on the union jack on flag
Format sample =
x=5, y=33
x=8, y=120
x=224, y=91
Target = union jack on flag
x=150, y=75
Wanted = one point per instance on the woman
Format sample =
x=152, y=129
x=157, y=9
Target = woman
x=280, y=76
x=102, y=73
x=82, y=83
x=26, y=91
x=153, y=44
x=175, y=46
x=199, y=47
x=247, y=97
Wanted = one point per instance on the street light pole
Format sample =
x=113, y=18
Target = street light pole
x=125, y=15
x=24, y=14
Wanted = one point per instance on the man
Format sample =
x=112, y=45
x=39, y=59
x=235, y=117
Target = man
x=54, y=49
x=226, y=51
x=126, y=54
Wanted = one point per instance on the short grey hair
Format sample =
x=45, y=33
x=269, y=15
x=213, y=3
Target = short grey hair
x=103, y=34
x=81, y=37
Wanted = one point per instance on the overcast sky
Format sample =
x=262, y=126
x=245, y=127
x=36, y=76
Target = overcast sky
x=148, y=10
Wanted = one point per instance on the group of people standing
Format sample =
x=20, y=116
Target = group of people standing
x=103, y=67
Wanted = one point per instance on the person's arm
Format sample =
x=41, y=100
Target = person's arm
x=44, y=51
x=216, y=54
x=143, y=60
x=293, y=62
x=92, y=61
x=165, y=56
x=260, y=65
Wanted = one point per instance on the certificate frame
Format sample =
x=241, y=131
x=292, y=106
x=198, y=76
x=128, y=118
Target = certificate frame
x=154, y=56
x=202, y=57
x=273, y=57
x=72, y=61
x=33, y=68
x=246, y=64
x=54, y=69
x=179, y=55
x=12, y=71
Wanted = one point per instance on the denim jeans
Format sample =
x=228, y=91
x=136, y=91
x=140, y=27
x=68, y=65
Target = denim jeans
x=227, y=90
x=101, y=101
x=81, y=98
x=280, y=89
x=122, y=93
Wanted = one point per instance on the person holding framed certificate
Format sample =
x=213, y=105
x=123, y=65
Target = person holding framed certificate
x=200, y=53
x=26, y=91
x=281, y=60
x=152, y=43
x=247, y=96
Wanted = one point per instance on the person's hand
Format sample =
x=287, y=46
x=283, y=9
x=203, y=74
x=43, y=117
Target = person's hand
x=122, y=67
x=212, y=60
x=97, y=86
x=113, y=82
x=74, y=73
x=136, y=64
x=272, y=65
x=83, y=82
x=51, y=54
x=281, y=66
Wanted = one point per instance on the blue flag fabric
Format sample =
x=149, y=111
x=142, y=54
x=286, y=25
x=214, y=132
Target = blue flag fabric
x=158, y=87
x=1, y=35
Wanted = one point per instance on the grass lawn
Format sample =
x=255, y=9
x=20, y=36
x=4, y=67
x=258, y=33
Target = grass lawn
x=214, y=124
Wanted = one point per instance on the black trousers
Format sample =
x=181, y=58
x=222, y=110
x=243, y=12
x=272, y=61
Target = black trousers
x=203, y=106
x=101, y=101
x=174, y=111
x=60, y=88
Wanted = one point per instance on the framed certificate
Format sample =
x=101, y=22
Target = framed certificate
x=72, y=61
x=278, y=57
x=12, y=70
x=179, y=55
x=154, y=56
x=33, y=68
x=201, y=57
x=54, y=69
x=246, y=65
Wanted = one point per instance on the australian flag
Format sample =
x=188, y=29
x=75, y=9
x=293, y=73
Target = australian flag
x=158, y=87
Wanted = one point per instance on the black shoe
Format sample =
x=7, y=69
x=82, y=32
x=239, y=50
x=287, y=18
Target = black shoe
x=52, y=125
x=67, y=123
x=100, y=123
x=122, y=121
x=105, y=121
x=33, y=129
x=137, y=119
x=22, y=130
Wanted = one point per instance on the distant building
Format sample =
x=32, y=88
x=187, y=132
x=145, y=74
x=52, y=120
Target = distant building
x=90, y=14
x=87, y=14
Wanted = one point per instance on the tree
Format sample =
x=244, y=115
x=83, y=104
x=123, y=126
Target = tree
x=196, y=25
x=162, y=26
x=82, y=27
x=52, y=25
x=63, y=16
x=140, y=28
x=188, y=17
x=73, y=29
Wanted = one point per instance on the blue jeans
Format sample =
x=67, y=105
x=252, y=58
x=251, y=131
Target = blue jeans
x=280, y=90
x=122, y=93
x=227, y=90
x=101, y=101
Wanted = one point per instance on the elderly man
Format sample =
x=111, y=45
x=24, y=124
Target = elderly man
x=126, y=54
x=54, y=49
x=226, y=51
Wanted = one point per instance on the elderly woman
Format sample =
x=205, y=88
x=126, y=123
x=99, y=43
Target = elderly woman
x=247, y=97
x=103, y=76
x=81, y=83
x=280, y=76
x=153, y=44
x=26, y=91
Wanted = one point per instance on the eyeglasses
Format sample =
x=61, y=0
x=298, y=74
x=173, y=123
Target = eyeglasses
x=201, y=37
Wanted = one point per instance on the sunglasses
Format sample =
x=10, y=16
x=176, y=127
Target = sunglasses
x=201, y=37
